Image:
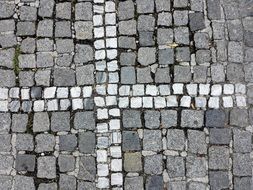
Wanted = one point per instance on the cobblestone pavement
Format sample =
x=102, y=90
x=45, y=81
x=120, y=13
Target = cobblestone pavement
x=135, y=94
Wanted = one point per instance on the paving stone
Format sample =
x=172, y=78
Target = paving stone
x=40, y=122
x=235, y=30
x=43, y=45
x=46, y=8
x=166, y=56
x=62, y=29
x=243, y=183
x=82, y=185
x=203, y=56
x=200, y=73
x=131, y=119
x=44, y=143
x=19, y=122
x=63, y=10
x=164, y=36
x=126, y=42
x=154, y=182
x=87, y=142
x=24, y=142
x=87, y=168
x=235, y=52
x=67, y=142
x=6, y=57
x=168, y=118
x=152, y=119
x=182, y=35
x=192, y=119
x=152, y=140
x=175, y=166
x=46, y=167
x=23, y=183
x=146, y=38
x=133, y=183
x=130, y=141
x=45, y=28
x=66, y=163
x=84, y=120
x=5, y=143
x=64, y=77
x=83, y=11
x=220, y=136
x=5, y=182
x=126, y=10
x=145, y=6
x=213, y=9
x=242, y=141
x=128, y=75
x=7, y=78
x=132, y=162
x=60, y=121
x=146, y=23
x=47, y=186
x=127, y=58
x=196, y=166
x=85, y=74
x=196, y=21
x=197, y=142
x=215, y=118
x=176, y=139
x=218, y=157
x=163, y=5
x=7, y=9
x=146, y=56
x=180, y=3
x=64, y=45
x=248, y=38
x=26, y=78
x=27, y=61
x=219, y=179
x=182, y=74
x=25, y=162
x=144, y=75
x=153, y=165
x=162, y=75
x=81, y=50
x=239, y=117
x=164, y=19
x=180, y=18
x=196, y=185
x=83, y=30
x=127, y=27
x=183, y=54
x=25, y=28
x=217, y=73
x=242, y=164
x=67, y=182
x=64, y=60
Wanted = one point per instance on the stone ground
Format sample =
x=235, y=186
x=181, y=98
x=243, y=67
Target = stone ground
x=135, y=94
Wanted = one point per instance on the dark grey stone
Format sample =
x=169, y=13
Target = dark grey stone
x=128, y=75
x=126, y=10
x=133, y=183
x=218, y=157
x=87, y=168
x=7, y=78
x=67, y=182
x=66, y=163
x=87, y=142
x=131, y=141
x=201, y=40
x=127, y=58
x=215, y=118
x=64, y=77
x=182, y=73
x=200, y=73
x=220, y=136
x=47, y=186
x=219, y=179
x=154, y=182
x=239, y=117
x=197, y=142
x=196, y=21
x=213, y=9
x=26, y=78
x=146, y=39
x=83, y=185
x=67, y=142
x=127, y=27
x=162, y=75
x=164, y=36
x=126, y=42
x=46, y=167
x=166, y=56
x=40, y=122
x=242, y=165
x=25, y=162
x=144, y=75
x=203, y=56
x=25, y=28
x=63, y=29
x=80, y=50
x=183, y=54
x=84, y=120
x=36, y=92
x=196, y=166
x=19, y=122
x=5, y=142
x=24, y=142
x=152, y=119
x=131, y=119
x=168, y=118
x=60, y=121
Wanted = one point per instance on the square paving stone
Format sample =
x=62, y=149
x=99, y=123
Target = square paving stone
x=66, y=163
x=83, y=185
x=40, y=122
x=6, y=182
x=63, y=29
x=177, y=185
x=83, y=11
x=197, y=142
x=221, y=136
x=146, y=56
x=87, y=142
x=192, y=118
x=144, y=75
x=127, y=58
x=46, y=8
x=132, y=162
x=60, y=121
x=242, y=141
x=26, y=78
x=168, y=118
x=213, y=9
x=183, y=54
x=131, y=119
x=182, y=35
x=196, y=185
x=19, y=122
x=85, y=74
x=126, y=42
x=80, y=50
x=154, y=182
x=63, y=10
x=239, y=117
x=67, y=142
x=146, y=23
x=84, y=120
x=176, y=139
x=152, y=140
x=127, y=27
x=196, y=166
x=42, y=77
x=200, y=73
x=7, y=78
x=242, y=165
x=162, y=75
x=153, y=165
x=164, y=19
x=243, y=183
x=166, y=56
x=201, y=40
x=146, y=38
x=130, y=141
x=235, y=72
x=23, y=183
x=25, y=28
x=44, y=143
x=87, y=168
x=45, y=60
x=133, y=183
x=145, y=6
x=218, y=157
x=163, y=5
x=28, y=45
x=215, y=118
x=64, y=77
x=64, y=45
x=84, y=30
x=6, y=9
x=45, y=28
x=24, y=142
x=25, y=162
x=126, y=10
x=196, y=21
x=46, y=167
x=175, y=166
x=6, y=57
x=67, y=182
x=6, y=164
x=47, y=186
x=164, y=36
x=203, y=56
x=152, y=119
x=219, y=179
